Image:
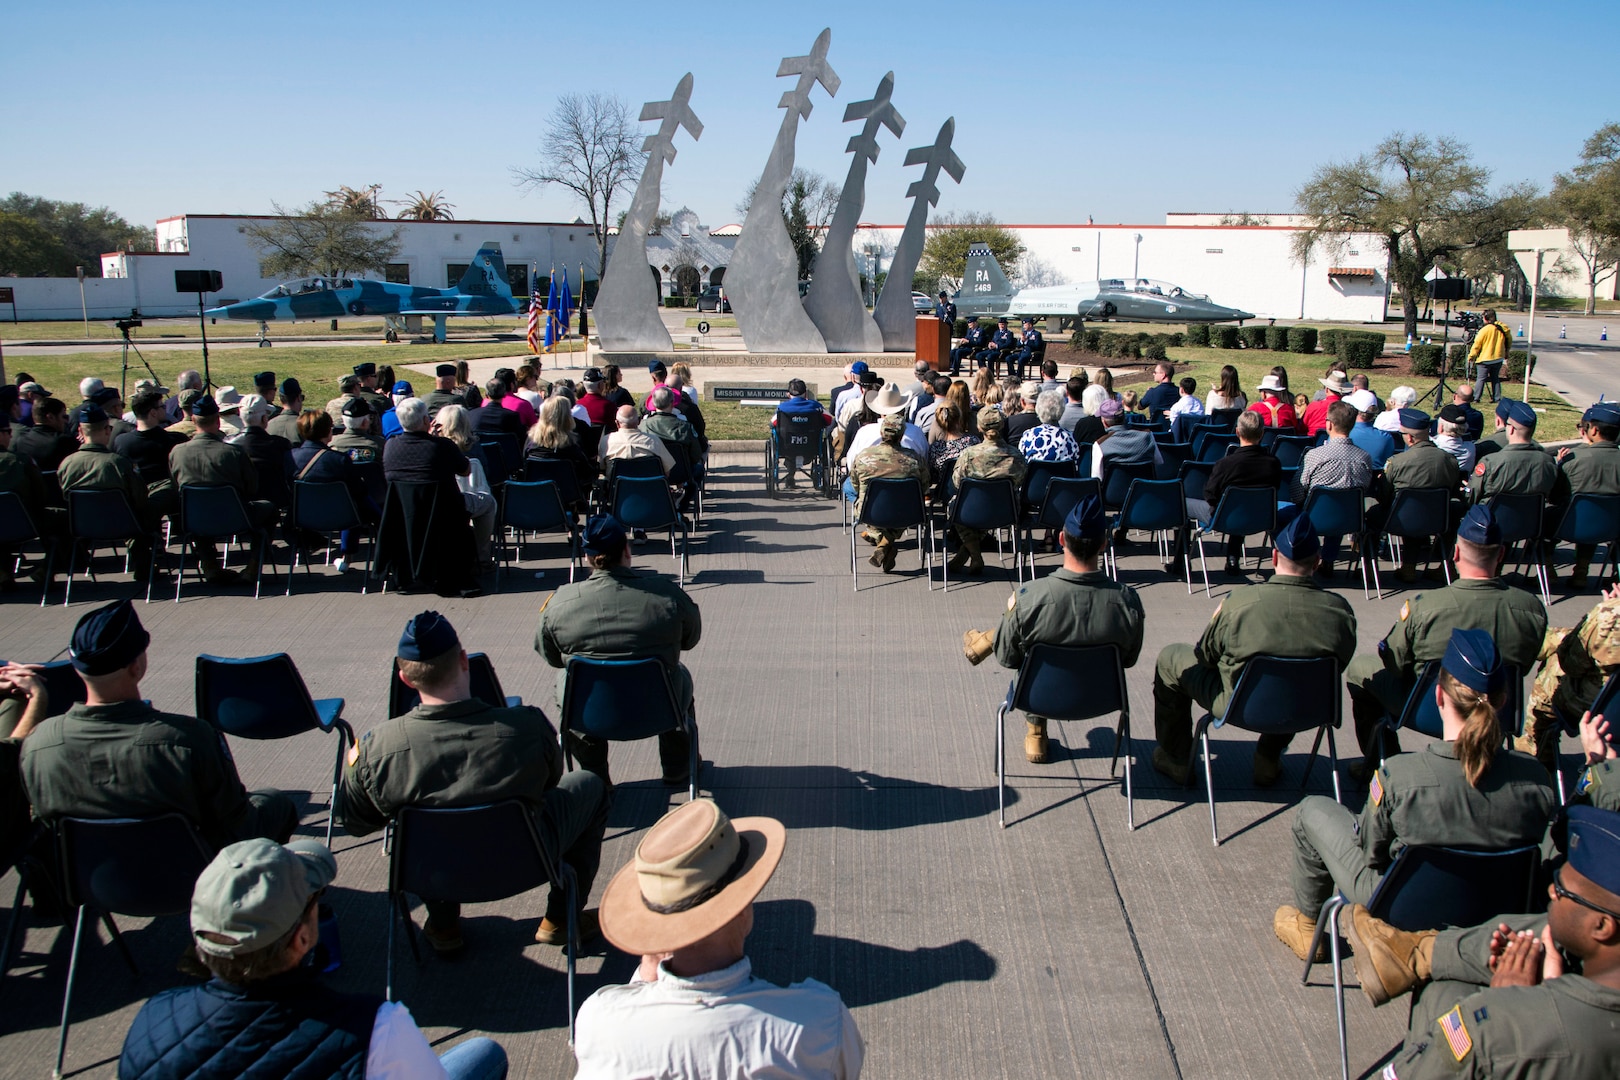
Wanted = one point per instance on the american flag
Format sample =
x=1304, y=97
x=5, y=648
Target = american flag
x=1451, y=1025
x=536, y=305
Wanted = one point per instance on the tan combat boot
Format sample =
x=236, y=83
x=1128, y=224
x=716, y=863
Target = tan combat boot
x=882, y=552
x=888, y=550
x=1389, y=962
x=1035, y=741
x=1169, y=766
x=978, y=644
x=1295, y=929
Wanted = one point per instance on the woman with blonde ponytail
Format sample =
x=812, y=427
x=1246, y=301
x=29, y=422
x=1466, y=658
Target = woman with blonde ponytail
x=1465, y=791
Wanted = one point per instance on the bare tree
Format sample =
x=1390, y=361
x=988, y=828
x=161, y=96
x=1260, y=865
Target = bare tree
x=592, y=148
x=1034, y=272
x=322, y=239
x=1587, y=202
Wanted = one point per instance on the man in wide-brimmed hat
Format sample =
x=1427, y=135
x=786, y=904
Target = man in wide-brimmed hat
x=687, y=901
x=885, y=402
x=1273, y=404
x=1335, y=386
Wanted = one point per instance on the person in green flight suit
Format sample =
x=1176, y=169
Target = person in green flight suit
x=1287, y=616
x=1075, y=605
x=454, y=750
x=1521, y=467
x=1593, y=468
x=1538, y=1018
x=116, y=756
x=1463, y=792
x=1420, y=465
x=1477, y=600
x=206, y=458
x=94, y=467
x=619, y=613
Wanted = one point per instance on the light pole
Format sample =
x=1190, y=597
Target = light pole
x=84, y=311
x=1523, y=243
x=1136, y=270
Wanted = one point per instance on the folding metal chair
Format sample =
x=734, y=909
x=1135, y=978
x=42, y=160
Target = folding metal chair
x=1242, y=512
x=210, y=512
x=1416, y=514
x=1068, y=682
x=1591, y=519
x=1063, y=494
x=17, y=528
x=1342, y=512
x=98, y=518
x=898, y=504
x=1155, y=506
x=535, y=506
x=325, y=507
x=618, y=700
x=644, y=502
x=1520, y=519
x=989, y=506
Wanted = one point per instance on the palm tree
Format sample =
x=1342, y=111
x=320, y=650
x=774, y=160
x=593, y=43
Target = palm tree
x=362, y=202
x=425, y=206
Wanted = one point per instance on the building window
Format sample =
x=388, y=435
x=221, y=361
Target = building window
x=453, y=274
x=517, y=278
x=397, y=273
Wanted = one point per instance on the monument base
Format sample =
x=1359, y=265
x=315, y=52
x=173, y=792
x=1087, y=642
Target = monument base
x=718, y=358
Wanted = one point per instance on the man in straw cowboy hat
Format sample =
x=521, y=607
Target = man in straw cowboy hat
x=687, y=900
x=886, y=402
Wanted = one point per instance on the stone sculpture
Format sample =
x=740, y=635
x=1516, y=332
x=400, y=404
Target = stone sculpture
x=834, y=301
x=626, y=306
x=894, y=314
x=762, y=281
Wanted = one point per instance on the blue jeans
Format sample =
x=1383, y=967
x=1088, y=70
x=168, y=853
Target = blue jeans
x=476, y=1059
x=849, y=490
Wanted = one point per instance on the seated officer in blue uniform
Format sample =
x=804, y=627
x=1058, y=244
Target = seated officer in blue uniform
x=977, y=338
x=1030, y=343
x=1002, y=344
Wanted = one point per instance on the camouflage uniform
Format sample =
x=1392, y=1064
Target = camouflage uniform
x=886, y=460
x=1577, y=664
x=987, y=460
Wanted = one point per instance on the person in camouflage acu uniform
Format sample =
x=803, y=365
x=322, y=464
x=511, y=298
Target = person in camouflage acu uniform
x=991, y=459
x=1575, y=665
x=885, y=460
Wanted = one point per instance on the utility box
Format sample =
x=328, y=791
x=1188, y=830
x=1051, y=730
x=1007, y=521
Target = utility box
x=933, y=341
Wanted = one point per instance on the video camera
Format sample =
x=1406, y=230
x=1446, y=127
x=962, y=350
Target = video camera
x=1469, y=322
x=134, y=320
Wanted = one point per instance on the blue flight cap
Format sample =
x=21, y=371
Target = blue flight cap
x=427, y=636
x=203, y=406
x=604, y=535
x=1606, y=413
x=365, y=369
x=265, y=378
x=655, y=367
x=1297, y=541
x=402, y=387
x=1479, y=527
x=1472, y=659
x=290, y=388
x=89, y=414
x=108, y=639
x=1519, y=412
x=1414, y=421
x=859, y=367
x=1087, y=520
x=1594, y=845
x=105, y=396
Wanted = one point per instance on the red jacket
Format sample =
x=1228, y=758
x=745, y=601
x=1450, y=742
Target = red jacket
x=1316, y=414
x=1277, y=413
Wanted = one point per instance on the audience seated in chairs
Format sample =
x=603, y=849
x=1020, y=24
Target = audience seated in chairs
x=619, y=613
x=271, y=454
x=945, y=451
x=116, y=756
x=454, y=750
x=1120, y=444
x=494, y=417
x=149, y=444
x=317, y=462
x=425, y=535
x=1336, y=464
x=553, y=438
x=48, y=440
x=255, y=920
x=629, y=441
x=887, y=458
x=679, y=438
x=989, y=458
x=94, y=467
x=1247, y=465
x=207, y=459
x=685, y=906
x=477, y=487
x=20, y=476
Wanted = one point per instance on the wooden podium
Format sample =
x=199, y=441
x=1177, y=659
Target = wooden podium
x=933, y=341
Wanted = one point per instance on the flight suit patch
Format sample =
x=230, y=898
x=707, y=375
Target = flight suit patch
x=354, y=755
x=1406, y=611
x=1481, y=1015
x=1457, y=1037
x=1376, y=791
x=1479, y=470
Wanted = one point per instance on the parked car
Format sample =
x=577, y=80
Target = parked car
x=714, y=299
x=923, y=303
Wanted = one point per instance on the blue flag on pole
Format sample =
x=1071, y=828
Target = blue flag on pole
x=565, y=305
x=551, y=316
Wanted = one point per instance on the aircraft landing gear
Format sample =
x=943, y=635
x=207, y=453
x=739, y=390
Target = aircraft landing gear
x=390, y=331
x=264, y=335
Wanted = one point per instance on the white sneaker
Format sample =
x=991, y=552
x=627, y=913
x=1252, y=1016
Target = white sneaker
x=341, y=565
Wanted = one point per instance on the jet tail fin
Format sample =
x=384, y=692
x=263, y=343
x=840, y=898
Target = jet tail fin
x=983, y=278
x=486, y=274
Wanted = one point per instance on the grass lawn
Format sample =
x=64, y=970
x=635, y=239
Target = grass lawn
x=168, y=329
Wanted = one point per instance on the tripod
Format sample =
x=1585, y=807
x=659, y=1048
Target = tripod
x=1437, y=396
x=124, y=326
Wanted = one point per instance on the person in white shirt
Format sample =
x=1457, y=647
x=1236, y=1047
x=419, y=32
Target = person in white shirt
x=886, y=401
x=686, y=903
x=1402, y=397
x=630, y=441
x=1452, y=437
x=1187, y=404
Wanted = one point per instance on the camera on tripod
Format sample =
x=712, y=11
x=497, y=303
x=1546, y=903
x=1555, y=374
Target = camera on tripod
x=126, y=325
x=1469, y=322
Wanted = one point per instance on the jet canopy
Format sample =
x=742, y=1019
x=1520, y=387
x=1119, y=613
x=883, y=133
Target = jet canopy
x=1149, y=287
x=318, y=283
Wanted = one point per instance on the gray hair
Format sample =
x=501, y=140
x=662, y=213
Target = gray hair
x=412, y=414
x=1049, y=406
x=1402, y=397
x=452, y=421
x=189, y=380
x=627, y=416
x=663, y=398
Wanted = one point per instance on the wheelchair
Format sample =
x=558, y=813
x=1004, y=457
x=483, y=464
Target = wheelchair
x=798, y=441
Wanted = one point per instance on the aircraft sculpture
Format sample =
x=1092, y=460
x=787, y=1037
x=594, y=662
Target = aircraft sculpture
x=986, y=291
x=482, y=290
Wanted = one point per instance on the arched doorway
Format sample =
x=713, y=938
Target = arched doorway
x=658, y=281
x=688, y=282
x=717, y=275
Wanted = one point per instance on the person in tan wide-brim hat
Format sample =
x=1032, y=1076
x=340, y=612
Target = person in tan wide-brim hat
x=887, y=400
x=685, y=904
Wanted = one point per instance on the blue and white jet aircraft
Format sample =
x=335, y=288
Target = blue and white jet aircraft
x=482, y=290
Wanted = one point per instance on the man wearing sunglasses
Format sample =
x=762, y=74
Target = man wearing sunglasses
x=1552, y=1007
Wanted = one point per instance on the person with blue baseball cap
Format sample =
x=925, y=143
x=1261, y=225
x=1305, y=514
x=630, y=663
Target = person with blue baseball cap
x=1076, y=605
x=1593, y=468
x=1519, y=468
x=1478, y=600
x=619, y=613
x=453, y=749
x=1465, y=791
x=1540, y=1017
x=1289, y=616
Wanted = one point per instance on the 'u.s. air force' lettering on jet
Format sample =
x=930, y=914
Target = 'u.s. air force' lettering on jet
x=482, y=290
x=986, y=291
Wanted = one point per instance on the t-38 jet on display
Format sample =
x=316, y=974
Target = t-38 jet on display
x=482, y=290
x=986, y=291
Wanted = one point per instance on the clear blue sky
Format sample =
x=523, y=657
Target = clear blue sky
x=1119, y=111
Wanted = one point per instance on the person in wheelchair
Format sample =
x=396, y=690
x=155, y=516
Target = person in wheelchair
x=791, y=411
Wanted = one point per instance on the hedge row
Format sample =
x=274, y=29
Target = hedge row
x=1426, y=362
x=1135, y=346
x=680, y=301
x=1354, y=348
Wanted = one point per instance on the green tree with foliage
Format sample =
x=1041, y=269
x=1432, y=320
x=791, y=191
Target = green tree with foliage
x=365, y=202
x=1587, y=203
x=322, y=238
x=27, y=249
x=945, y=251
x=807, y=208
x=78, y=235
x=1425, y=197
x=425, y=206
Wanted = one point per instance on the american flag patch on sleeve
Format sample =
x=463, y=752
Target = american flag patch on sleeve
x=1451, y=1026
x=1376, y=791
